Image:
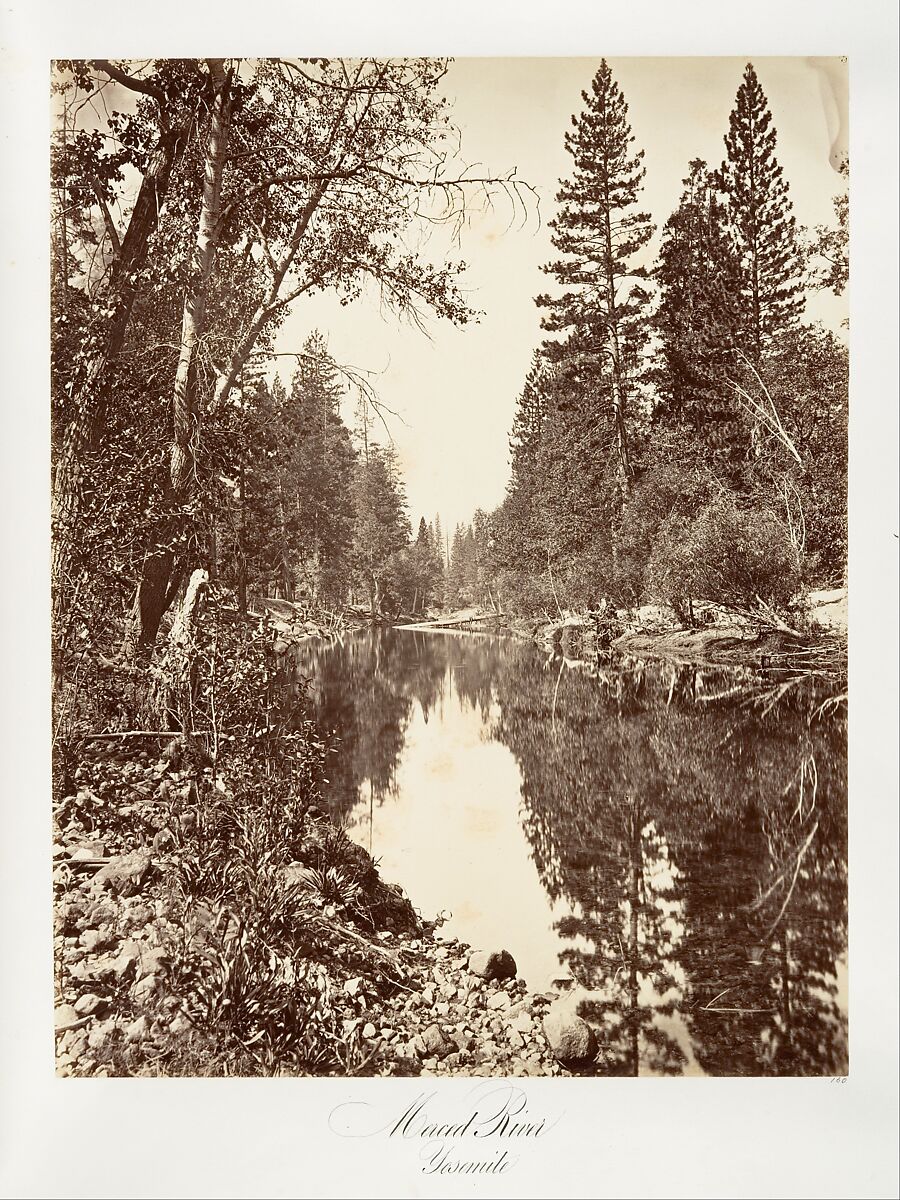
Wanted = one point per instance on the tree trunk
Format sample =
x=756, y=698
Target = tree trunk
x=287, y=579
x=619, y=397
x=242, y=547
x=153, y=589
x=635, y=871
x=374, y=596
x=84, y=431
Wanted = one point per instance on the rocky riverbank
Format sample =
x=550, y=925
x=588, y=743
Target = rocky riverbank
x=717, y=635
x=308, y=973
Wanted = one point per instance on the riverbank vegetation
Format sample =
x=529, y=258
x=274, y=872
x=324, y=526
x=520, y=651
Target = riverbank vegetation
x=681, y=436
x=207, y=916
x=682, y=431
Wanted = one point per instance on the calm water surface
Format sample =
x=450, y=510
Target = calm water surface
x=668, y=841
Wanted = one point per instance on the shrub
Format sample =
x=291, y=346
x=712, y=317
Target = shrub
x=729, y=553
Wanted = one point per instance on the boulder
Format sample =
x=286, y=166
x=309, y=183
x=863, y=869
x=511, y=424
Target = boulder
x=492, y=964
x=571, y=1039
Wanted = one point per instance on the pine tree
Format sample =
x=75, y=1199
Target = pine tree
x=318, y=459
x=600, y=233
x=439, y=542
x=381, y=529
x=531, y=412
x=698, y=318
x=456, y=572
x=760, y=211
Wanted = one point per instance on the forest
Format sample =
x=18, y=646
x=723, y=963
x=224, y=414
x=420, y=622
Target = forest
x=680, y=435
x=707, y=420
x=681, y=431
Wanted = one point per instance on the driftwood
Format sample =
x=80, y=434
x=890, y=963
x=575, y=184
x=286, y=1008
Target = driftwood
x=86, y=864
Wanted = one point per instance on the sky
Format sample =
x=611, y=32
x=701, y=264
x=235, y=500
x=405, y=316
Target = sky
x=454, y=390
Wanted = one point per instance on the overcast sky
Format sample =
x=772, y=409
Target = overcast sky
x=456, y=389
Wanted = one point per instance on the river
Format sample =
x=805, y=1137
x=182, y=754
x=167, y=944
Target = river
x=667, y=841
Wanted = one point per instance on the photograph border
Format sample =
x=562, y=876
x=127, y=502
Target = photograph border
x=736, y=1137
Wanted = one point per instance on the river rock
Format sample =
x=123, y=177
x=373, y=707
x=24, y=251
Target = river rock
x=95, y=940
x=64, y=1015
x=137, y=1030
x=570, y=1038
x=98, y=1036
x=127, y=960
x=436, y=1045
x=145, y=987
x=88, y=850
x=88, y=1003
x=523, y=1022
x=126, y=875
x=492, y=964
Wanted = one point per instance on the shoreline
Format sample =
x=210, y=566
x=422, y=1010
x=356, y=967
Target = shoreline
x=719, y=638
x=129, y=958
x=134, y=949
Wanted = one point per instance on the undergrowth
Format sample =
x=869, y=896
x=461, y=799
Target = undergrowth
x=270, y=908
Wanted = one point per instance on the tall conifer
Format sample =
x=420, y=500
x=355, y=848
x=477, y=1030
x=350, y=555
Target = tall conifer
x=761, y=215
x=600, y=234
x=699, y=313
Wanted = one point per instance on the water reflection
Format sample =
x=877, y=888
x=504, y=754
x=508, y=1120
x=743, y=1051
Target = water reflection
x=669, y=842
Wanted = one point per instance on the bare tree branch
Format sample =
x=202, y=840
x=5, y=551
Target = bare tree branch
x=132, y=82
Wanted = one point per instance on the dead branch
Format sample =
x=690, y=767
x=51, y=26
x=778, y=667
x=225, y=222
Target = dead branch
x=768, y=417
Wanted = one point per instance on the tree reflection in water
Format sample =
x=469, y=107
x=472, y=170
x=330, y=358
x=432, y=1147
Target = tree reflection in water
x=690, y=822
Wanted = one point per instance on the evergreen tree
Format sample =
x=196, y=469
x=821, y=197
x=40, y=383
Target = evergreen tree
x=760, y=211
x=439, y=542
x=531, y=412
x=698, y=318
x=453, y=594
x=381, y=528
x=600, y=233
x=319, y=460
